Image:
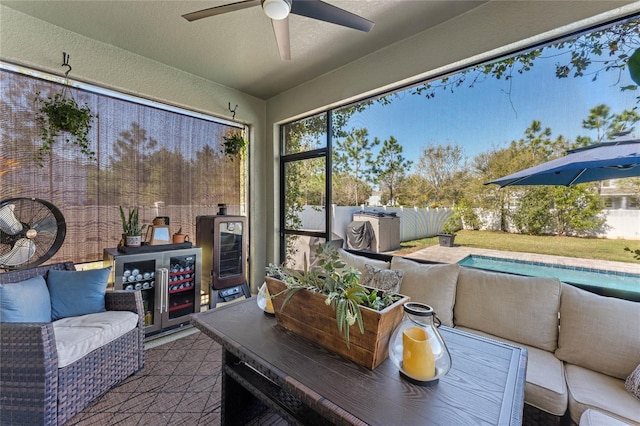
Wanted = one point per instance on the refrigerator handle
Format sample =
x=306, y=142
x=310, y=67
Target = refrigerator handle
x=164, y=289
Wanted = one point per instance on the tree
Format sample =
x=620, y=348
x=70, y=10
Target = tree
x=390, y=168
x=599, y=119
x=535, y=147
x=414, y=191
x=576, y=209
x=204, y=166
x=440, y=166
x=533, y=212
x=130, y=152
x=610, y=49
x=352, y=157
x=343, y=188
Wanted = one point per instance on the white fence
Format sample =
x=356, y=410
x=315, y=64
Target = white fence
x=416, y=223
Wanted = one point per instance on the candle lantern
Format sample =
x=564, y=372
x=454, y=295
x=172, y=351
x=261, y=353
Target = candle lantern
x=416, y=347
x=264, y=300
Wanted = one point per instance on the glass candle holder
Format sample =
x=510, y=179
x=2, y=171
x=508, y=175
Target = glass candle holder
x=264, y=300
x=416, y=347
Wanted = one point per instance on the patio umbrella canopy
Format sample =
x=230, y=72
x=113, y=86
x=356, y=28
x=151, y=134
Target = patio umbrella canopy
x=601, y=161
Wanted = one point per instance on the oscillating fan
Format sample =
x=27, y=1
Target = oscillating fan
x=279, y=10
x=31, y=231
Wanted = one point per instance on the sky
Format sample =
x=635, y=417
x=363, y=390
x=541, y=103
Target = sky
x=485, y=116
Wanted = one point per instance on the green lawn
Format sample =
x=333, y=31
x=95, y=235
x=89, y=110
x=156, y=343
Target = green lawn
x=586, y=248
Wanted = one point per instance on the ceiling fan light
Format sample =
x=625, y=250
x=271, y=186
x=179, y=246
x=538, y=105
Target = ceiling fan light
x=276, y=9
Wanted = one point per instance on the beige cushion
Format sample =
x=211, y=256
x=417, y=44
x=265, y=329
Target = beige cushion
x=599, y=333
x=545, y=386
x=521, y=309
x=434, y=285
x=77, y=336
x=358, y=262
x=596, y=418
x=590, y=389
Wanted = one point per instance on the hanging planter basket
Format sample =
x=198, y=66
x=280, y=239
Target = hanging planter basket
x=60, y=115
x=234, y=145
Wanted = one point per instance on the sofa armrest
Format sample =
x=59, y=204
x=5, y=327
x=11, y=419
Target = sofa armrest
x=126, y=300
x=28, y=373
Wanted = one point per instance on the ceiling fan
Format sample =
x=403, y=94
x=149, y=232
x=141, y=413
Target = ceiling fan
x=279, y=10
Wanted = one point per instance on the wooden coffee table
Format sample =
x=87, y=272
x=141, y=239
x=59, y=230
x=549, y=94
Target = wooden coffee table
x=266, y=365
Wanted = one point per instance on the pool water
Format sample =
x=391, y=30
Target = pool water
x=625, y=281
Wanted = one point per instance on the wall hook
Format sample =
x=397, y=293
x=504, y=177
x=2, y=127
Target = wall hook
x=65, y=63
x=233, y=111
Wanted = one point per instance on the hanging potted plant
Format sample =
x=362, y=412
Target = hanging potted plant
x=233, y=145
x=59, y=115
x=131, y=229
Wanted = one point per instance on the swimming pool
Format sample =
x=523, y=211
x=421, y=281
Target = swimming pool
x=583, y=277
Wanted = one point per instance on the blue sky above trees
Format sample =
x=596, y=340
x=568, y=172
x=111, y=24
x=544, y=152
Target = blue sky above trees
x=495, y=112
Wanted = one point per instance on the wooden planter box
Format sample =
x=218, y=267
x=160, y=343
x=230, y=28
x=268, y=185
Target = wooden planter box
x=307, y=315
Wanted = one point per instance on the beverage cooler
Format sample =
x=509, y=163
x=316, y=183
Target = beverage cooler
x=169, y=281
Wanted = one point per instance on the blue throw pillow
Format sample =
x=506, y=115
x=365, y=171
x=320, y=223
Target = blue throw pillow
x=26, y=301
x=76, y=293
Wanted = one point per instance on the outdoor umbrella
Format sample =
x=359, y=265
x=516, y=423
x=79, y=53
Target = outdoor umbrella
x=606, y=160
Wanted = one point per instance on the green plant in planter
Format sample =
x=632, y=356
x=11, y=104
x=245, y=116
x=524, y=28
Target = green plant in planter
x=452, y=224
x=130, y=222
x=60, y=114
x=233, y=145
x=340, y=283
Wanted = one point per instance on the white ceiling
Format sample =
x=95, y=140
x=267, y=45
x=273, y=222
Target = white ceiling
x=238, y=49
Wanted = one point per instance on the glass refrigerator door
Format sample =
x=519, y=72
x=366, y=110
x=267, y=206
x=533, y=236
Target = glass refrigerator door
x=140, y=275
x=230, y=253
x=181, y=286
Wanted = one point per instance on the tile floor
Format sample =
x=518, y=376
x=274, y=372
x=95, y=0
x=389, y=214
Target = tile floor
x=180, y=384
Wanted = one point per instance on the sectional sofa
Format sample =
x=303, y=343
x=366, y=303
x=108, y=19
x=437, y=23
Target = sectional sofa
x=581, y=346
x=53, y=363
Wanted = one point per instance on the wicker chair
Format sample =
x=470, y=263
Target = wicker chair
x=33, y=390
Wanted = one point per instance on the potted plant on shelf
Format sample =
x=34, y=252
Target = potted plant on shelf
x=448, y=235
x=179, y=237
x=233, y=145
x=60, y=114
x=131, y=229
x=325, y=302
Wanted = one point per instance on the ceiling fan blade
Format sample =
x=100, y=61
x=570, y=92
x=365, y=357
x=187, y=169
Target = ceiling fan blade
x=322, y=11
x=281, y=30
x=219, y=10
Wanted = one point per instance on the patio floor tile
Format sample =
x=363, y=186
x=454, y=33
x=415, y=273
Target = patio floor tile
x=180, y=384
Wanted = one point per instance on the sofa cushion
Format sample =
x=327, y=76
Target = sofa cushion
x=545, y=386
x=434, y=285
x=383, y=279
x=25, y=301
x=76, y=293
x=590, y=389
x=78, y=336
x=596, y=418
x=599, y=333
x=358, y=262
x=521, y=309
